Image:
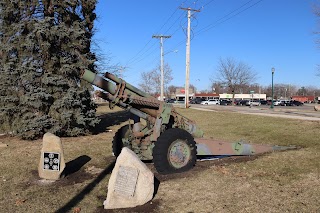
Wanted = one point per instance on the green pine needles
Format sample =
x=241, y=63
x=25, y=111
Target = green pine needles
x=44, y=45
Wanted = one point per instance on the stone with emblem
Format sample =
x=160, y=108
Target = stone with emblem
x=52, y=162
x=131, y=183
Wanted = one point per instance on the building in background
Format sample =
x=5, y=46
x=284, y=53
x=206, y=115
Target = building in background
x=304, y=98
x=254, y=96
x=207, y=96
x=180, y=94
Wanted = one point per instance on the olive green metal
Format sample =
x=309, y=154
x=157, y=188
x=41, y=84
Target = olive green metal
x=99, y=81
x=166, y=113
x=128, y=86
x=241, y=148
x=110, y=87
x=88, y=76
x=198, y=133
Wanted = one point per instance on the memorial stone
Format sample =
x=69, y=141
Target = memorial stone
x=52, y=161
x=131, y=183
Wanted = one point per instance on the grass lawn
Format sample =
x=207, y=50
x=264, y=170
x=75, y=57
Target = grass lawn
x=286, y=181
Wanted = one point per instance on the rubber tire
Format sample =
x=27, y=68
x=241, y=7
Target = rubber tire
x=117, y=143
x=161, y=149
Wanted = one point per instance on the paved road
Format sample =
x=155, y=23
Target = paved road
x=305, y=112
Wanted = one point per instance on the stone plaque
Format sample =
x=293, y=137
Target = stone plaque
x=51, y=161
x=131, y=182
x=126, y=181
x=51, y=164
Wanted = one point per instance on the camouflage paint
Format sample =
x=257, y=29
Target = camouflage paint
x=216, y=147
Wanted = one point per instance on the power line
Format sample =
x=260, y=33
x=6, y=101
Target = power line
x=207, y=4
x=179, y=18
x=168, y=19
x=142, y=57
x=148, y=49
x=226, y=18
x=139, y=53
x=136, y=55
x=217, y=22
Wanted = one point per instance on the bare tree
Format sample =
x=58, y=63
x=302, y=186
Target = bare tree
x=217, y=87
x=193, y=88
x=171, y=90
x=150, y=81
x=312, y=90
x=147, y=85
x=285, y=91
x=234, y=74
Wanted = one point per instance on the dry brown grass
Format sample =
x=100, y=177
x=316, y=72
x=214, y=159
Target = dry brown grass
x=276, y=182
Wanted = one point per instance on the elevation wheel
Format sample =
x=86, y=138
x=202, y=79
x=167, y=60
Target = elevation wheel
x=175, y=151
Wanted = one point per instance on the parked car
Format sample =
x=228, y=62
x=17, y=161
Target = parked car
x=237, y=101
x=170, y=100
x=242, y=102
x=295, y=103
x=225, y=102
x=197, y=100
x=277, y=103
x=263, y=102
x=285, y=103
x=210, y=102
x=179, y=101
x=253, y=103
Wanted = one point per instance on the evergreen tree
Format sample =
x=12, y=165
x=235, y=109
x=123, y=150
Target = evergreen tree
x=45, y=45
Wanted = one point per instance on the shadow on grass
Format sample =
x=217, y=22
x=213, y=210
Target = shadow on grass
x=110, y=119
x=75, y=165
x=79, y=197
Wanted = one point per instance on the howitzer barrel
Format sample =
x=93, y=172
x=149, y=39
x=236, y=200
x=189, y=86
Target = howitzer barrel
x=99, y=81
x=121, y=93
x=128, y=86
x=108, y=86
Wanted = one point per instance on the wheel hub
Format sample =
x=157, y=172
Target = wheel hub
x=179, y=154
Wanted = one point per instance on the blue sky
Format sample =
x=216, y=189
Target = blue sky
x=263, y=34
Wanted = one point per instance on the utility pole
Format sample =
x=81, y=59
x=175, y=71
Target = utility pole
x=186, y=99
x=161, y=37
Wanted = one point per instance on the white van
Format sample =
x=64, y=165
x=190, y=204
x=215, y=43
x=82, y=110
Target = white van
x=210, y=102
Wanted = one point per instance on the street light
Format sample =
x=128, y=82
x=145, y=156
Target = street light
x=272, y=71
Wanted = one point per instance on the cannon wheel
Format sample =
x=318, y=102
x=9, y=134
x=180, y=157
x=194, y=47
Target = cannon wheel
x=121, y=139
x=174, y=151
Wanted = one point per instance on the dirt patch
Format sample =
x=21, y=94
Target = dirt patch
x=154, y=205
x=150, y=207
x=77, y=177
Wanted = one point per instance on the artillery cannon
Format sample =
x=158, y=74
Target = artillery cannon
x=164, y=136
